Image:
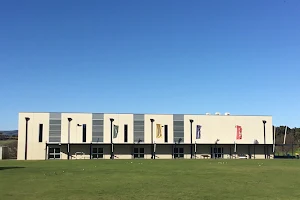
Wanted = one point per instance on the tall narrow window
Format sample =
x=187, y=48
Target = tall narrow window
x=84, y=133
x=125, y=133
x=166, y=133
x=41, y=133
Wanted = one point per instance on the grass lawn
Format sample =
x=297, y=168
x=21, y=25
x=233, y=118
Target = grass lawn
x=7, y=142
x=148, y=179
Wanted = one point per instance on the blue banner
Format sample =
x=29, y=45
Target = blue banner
x=198, y=132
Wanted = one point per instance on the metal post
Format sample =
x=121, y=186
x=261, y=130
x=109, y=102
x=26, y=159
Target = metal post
x=264, y=122
x=69, y=128
x=215, y=151
x=249, y=152
x=91, y=150
x=152, y=143
x=26, y=136
x=254, y=150
x=195, y=150
x=173, y=146
x=46, y=151
x=111, y=138
x=191, y=121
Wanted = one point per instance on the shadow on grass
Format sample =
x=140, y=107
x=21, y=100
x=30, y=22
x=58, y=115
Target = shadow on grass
x=4, y=168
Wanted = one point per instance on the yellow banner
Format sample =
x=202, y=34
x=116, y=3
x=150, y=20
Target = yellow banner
x=158, y=131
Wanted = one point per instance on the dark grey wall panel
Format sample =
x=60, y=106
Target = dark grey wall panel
x=178, y=117
x=98, y=116
x=55, y=127
x=138, y=117
x=138, y=128
x=97, y=129
x=178, y=128
x=55, y=115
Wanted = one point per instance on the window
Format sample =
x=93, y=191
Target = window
x=178, y=152
x=84, y=133
x=166, y=133
x=54, y=153
x=97, y=128
x=97, y=153
x=138, y=128
x=178, y=128
x=125, y=133
x=41, y=133
x=138, y=152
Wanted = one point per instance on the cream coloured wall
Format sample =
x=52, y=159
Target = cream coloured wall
x=162, y=120
x=119, y=120
x=223, y=128
x=76, y=131
x=35, y=149
x=213, y=127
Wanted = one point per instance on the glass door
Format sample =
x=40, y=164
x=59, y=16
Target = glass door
x=218, y=152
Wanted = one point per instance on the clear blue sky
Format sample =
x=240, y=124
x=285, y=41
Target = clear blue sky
x=241, y=57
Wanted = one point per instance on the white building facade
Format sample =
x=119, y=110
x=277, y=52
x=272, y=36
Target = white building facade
x=145, y=136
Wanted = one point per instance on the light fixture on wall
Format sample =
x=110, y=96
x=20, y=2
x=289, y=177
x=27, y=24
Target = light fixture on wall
x=180, y=139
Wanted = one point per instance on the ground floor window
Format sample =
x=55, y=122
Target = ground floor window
x=218, y=152
x=178, y=152
x=97, y=153
x=54, y=153
x=138, y=153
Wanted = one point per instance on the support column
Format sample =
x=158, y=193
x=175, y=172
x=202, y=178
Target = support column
x=46, y=151
x=26, y=136
x=191, y=121
x=69, y=128
x=264, y=122
x=152, y=141
x=91, y=150
x=111, y=138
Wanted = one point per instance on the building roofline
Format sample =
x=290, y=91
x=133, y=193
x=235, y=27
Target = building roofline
x=153, y=114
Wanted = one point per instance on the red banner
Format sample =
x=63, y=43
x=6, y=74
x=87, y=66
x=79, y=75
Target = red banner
x=239, y=132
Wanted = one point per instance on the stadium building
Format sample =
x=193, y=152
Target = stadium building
x=143, y=136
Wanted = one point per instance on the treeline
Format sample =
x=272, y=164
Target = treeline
x=292, y=140
x=8, y=137
x=292, y=135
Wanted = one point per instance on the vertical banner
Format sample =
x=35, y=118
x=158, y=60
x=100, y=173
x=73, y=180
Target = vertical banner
x=239, y=132
x=198, y=132
x=116, y=130
x=158, y=131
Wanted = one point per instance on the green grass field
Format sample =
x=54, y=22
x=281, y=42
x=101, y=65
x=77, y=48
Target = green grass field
x=148, y=179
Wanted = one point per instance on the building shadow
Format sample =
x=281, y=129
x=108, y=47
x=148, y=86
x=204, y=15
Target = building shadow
x=5, y=168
